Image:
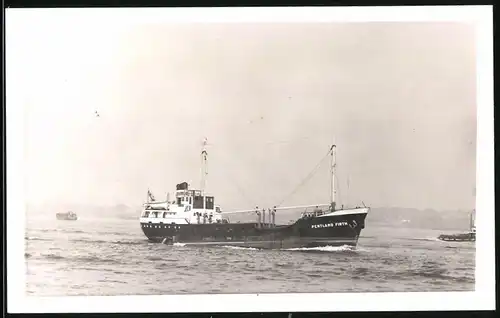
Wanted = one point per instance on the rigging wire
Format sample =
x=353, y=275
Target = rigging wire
x=240, y=191
x=306, y=178
x=286, y=141
x=339, y=190
x=264, y=143
x=238, y=187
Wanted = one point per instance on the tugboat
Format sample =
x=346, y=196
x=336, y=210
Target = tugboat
x=68, y=216
x=462, y=237
x=193, y=218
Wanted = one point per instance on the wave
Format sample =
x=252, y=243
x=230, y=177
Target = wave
x=434, y=272
x=328, y=248
x=428, y=239
x=59, y=230
x=95, y=259
x=73, y=231
x=70, y=230
x=139, y=242
x=111, y=233
x=52, y=256
x=80, y=259
x=134, y=242
x=224, y=246
x=240, y=248
x=441, y=274
x=36, y=238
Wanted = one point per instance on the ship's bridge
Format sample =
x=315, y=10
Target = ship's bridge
x=194, y=198
x=189, y=206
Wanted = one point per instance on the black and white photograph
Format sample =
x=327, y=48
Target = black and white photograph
x=224, y=155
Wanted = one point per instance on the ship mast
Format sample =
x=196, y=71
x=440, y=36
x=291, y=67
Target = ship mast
x=333, y=166
x=204, y=170
x=472, y=220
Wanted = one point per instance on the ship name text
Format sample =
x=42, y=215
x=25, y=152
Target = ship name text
x=318, y=226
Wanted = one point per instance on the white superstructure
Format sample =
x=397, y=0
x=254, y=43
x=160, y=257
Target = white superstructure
x=189, y=207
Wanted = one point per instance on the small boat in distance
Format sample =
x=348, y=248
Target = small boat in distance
x=193, y=218
x=462, y=237
x=68, y=216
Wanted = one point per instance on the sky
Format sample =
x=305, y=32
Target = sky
x=398, y=99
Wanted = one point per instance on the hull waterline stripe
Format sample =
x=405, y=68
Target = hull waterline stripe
x=345, y=212
x=268, y=242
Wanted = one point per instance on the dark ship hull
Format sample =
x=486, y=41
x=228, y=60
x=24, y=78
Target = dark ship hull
x=335, y=229
x=462, y=237
x=66, y=217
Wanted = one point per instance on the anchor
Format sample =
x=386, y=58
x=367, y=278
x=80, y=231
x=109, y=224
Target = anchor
x=354, y=224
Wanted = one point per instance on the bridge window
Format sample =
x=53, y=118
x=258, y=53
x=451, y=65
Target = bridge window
x=209, y=203
x=198, y=202
x=179, y=201
x=146, y=214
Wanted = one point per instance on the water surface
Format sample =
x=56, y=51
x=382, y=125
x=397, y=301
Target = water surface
x=106, y=256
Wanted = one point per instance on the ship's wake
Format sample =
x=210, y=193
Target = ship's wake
x=343, y=248
x=240, y=248
x=220, y=246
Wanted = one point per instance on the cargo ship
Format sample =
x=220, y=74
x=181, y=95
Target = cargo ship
x=194, y=218
x=469, y=236
x=68, y=216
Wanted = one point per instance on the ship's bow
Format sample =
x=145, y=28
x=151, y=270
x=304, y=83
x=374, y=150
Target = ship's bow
x=338, y=228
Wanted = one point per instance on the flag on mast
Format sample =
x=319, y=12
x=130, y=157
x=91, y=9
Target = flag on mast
x=150, y=195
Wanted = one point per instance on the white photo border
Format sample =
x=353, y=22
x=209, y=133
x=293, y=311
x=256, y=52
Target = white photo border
x=482, y=298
